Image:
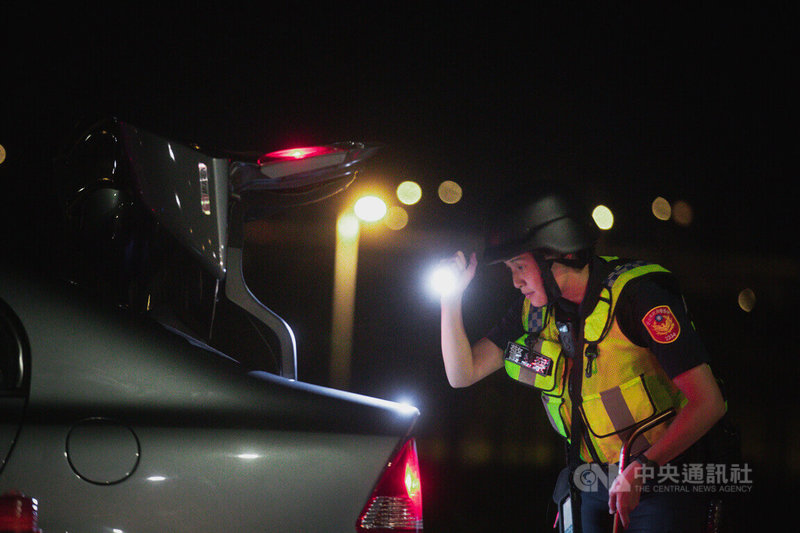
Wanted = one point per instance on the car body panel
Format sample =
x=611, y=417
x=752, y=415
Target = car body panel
x=215, y=480
x=120, y=411
x=210, y=446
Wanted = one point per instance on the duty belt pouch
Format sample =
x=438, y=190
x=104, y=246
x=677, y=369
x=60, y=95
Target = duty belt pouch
x=562, y=498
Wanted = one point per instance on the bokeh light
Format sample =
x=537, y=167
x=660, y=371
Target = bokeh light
x=747, y=299
x=396, y=218
x=661, y=209
x=409, y=192
x=2, y=154
x=450, y=192
x=603, y=217
x=682, y=213
x=370, y=208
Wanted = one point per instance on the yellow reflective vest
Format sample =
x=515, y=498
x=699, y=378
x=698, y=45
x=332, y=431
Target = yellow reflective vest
x=623, y=385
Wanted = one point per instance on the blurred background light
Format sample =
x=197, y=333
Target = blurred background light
x=396, y=218
x=661, y=209
x=603, y=217
x=450, y=192
x=747, y=299
x=682, y=213
x=347, y=227
x=370, y=208
x=409, y=192
x=2, y=154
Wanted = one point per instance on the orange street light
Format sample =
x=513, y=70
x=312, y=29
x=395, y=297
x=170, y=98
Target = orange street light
x=345, y=268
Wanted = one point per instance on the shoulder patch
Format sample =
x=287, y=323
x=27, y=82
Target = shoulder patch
x=661, y=324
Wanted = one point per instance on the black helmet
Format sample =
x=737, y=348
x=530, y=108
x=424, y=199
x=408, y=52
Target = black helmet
x=549, y=217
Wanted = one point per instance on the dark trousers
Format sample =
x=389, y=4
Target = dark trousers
x=657, y=512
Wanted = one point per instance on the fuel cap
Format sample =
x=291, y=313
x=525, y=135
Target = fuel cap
x=102, y=451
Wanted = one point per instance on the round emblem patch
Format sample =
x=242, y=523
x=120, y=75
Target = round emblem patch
x=661, y=324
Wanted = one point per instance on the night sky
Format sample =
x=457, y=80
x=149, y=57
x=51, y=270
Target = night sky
x=626, y=103
x=631, y=102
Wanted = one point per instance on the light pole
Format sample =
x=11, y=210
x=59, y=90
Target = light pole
x=345, y=267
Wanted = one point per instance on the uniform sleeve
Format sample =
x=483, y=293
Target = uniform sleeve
x=651, y=312
x=509, y=327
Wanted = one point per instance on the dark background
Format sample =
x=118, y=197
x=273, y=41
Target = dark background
x=625, y=102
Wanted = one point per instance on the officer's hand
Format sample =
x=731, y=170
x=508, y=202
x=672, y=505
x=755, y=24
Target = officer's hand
x=623, y=496
x=463, y=270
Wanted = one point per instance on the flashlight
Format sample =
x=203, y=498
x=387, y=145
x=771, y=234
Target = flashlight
x=443, y=280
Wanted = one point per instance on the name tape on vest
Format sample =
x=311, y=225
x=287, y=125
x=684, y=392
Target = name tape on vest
x=521, y=355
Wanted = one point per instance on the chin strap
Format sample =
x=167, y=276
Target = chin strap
x=551, y=288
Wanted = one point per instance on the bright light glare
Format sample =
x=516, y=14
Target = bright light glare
x=603, y=217
x=405, y=401
x=370, y=208
x=407, y=406
x=409, y=192
x=412, y=483
x=298, y=153
x=443, y=280
x=156, y=478
x=248, y=456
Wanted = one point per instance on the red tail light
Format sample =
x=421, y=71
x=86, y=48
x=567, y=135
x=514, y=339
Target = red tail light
x=297, y=153
x=18, y=513
x=293, y=161
x=396, y=502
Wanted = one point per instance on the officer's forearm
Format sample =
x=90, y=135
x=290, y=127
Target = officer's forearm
x=456, y=349
x=464, y=363
x=704, y=408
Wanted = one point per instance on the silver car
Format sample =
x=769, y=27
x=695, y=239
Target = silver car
x=133, y=398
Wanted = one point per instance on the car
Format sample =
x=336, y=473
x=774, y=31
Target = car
x=145, y=388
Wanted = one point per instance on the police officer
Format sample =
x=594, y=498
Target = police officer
x=607, y=341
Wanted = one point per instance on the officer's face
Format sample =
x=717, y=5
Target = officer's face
x=527, y=278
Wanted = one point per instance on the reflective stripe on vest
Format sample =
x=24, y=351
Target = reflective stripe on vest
x=623, y=385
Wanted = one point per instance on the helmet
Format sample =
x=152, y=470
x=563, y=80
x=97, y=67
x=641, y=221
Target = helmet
x=550, y=218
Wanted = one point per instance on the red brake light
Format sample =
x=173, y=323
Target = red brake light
x=293, y=161
x=18, y=513
x=296, y=153
x=396, y=502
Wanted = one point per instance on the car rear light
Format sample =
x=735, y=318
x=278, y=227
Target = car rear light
x=18, y=513
x=296, y=153
x=396, y=502
x=292, y=161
